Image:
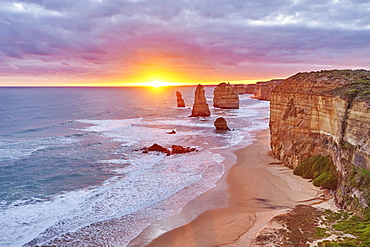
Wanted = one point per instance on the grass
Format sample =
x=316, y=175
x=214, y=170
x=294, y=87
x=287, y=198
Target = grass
x=358, y=227
x=304, y=224
x=320, y=169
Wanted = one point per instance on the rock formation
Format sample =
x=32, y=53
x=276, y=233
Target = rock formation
x=176, y=149
x=224, y=97
x=200, y=107
x=240, y=88
x=180, y=100
x=250, y=88
x=263, y=89
x=156, y=148
x=325, y=113
x=221, y=124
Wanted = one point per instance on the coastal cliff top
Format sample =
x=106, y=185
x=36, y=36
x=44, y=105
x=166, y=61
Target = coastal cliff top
x=342, y=83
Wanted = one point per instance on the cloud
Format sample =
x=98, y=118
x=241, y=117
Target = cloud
x=225, y=39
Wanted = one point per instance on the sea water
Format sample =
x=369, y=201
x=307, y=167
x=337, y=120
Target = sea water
x=72, y=172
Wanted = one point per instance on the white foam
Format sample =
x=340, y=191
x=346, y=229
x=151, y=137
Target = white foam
x=152, y=179
x=109, y=125
x=143, y=184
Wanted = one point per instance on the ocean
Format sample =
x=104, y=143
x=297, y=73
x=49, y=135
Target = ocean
x=72, y=172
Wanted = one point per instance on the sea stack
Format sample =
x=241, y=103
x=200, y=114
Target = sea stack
x=200, y=107
x=225, y=97
x=180, y=100
x=221, y=124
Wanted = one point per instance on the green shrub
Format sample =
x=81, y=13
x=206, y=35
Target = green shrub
x=319, y=168
x=327, y=180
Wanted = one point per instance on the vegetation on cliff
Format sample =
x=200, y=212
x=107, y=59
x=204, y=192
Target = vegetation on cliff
x=358, y=86
x=356, y=189
x=320, y=169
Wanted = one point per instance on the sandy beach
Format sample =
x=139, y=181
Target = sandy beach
x=254, y=188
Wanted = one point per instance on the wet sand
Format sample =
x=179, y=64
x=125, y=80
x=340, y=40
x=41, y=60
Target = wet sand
x=254, y=188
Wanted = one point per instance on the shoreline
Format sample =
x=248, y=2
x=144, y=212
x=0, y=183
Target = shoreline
x=254, y=188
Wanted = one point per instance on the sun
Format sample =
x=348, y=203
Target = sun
x=159, y=84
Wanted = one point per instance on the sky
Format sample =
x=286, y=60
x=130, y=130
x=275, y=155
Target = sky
x=134, y=42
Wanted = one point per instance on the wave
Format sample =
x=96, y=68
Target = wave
x=152, y=179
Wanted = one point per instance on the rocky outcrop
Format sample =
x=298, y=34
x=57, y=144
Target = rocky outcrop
x=179, y=99
x=250, y=88
x=263, y=89
x=224, y=97
x=176, y=149
x=240, y=88
x=200, y=107
x=221, y=124
x=323, y=113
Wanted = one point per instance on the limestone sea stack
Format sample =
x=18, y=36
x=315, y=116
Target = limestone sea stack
x=180, y=100
x=221, y=124
x=224, y=97
x=200, y=107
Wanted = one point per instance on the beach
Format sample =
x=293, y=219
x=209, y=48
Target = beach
x=254, y=188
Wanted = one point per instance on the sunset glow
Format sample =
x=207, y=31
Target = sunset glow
x=132, y=43
x=159, y=84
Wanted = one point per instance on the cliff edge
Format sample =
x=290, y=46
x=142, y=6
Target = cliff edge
x=325, y=113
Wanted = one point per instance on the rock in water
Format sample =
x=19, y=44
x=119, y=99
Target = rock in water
x=221, y=124
x=180, y=100
x=158, y=148
x=200, y=107
x=225, y=97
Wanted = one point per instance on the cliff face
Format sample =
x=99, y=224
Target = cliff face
x=240, y=89
x=323, y=113
x=263, y=89
x=200, y=107
x=225, y=97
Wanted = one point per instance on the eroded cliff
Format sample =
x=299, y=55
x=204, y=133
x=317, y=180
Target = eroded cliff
x=324, y=113
x=263, y=89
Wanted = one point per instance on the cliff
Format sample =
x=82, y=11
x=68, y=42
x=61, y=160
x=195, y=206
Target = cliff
x=326, y=113
x=263, y=89
x=224, y=97
x=249, y=88
x=240, y=89
x=200, y=107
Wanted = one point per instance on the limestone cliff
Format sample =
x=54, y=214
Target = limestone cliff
x=240, y=88
x=224, y=97
x=200, y=107
x=324, y=113
x=250, y=88
x=263, y=89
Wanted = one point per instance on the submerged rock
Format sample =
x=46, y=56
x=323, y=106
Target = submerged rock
x=180, y=100
x=225, y=97
x=221, y=124
x=200, y=107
